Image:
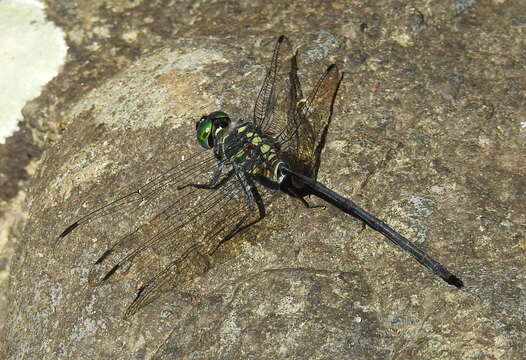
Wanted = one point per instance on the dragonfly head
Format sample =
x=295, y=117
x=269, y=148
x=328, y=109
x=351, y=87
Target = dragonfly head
x=208, y=126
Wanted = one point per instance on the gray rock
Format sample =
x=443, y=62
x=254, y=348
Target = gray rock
x=305, y=283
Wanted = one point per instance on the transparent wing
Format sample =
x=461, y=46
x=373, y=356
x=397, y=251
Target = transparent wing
x=161, y=186
x=274, y=109
x=312, y=117
x=174, y=245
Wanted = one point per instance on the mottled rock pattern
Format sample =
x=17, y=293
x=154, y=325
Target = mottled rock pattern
x=429, y=134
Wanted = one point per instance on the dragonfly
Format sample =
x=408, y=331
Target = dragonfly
x=225, y=189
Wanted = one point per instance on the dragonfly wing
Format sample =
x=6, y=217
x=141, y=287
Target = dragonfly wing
x=179, y=227
x=274, y=108
x=313, y=117
x=154, y=191
x=176, y=246
x=181, y=271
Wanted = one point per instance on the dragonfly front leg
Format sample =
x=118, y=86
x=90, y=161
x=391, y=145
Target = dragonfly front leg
x=215, y=181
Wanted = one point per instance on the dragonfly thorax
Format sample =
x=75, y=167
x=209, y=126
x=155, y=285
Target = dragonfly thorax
x=251, y=151
x=243, y=145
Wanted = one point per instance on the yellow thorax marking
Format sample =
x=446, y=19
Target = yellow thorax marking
x=238, y=154
x=264, y=148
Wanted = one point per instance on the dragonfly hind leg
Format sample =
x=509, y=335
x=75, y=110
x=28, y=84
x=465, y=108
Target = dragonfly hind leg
x=309, y=206
x=290, y=189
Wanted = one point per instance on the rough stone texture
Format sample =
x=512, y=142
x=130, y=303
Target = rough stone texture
x=429, y=134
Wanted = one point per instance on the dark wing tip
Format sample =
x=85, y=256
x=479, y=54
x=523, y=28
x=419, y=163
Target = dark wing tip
x=139, y=292
x=136, y=304
x=68, y=229
x=331, y=66
x=455, y=281
x=103, y=256
x=281, y=38
x=110, y=273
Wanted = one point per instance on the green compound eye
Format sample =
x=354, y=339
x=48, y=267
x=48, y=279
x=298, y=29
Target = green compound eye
x=204, y=129
x=209, y=126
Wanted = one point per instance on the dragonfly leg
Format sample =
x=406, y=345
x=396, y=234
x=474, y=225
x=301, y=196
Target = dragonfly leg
x=253, y=199
x=214, y=182
x=309, y=206
x=292, y=192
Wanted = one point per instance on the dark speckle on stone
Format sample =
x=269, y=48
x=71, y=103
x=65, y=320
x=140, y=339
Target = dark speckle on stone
x=376, y=119
x=461, y=5
x=415, y=20
x=447, y=84
x=519, y=20
x=321, y=47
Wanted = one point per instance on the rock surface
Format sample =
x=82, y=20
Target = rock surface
x=428, y=133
